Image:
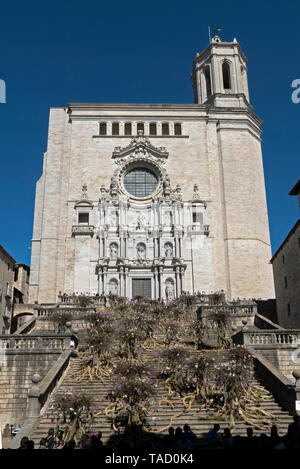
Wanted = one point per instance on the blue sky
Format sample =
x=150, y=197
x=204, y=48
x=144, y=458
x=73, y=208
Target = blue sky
x=52, y=53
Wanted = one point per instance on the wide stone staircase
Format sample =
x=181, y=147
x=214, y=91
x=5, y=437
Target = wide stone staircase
x=160, y=416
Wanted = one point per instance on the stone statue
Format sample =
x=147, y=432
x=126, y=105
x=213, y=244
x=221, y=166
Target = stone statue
x=140, y=222
x=114, y=218
x=113, y=288
x=177, y=195
x=169, y=291
x=168, y=250
x=114, y=186
x=84, y=191
x=167, y=182
x=113, y=250
x=168, y=218
x=141, y=251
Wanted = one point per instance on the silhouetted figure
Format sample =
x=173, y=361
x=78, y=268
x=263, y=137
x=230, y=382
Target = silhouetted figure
x=227, y=439
x=264, y=442
x=24, y=443
x=178, y=437
x=294, y=433
x=213, y=438
x=69, y=445
x=186, y=444
x=95, y=442
x=251, y=441
x=275, y=439
x=189, y=434
x=30, y=444
x=170, y=442
x=50, y=438
x=43, y=443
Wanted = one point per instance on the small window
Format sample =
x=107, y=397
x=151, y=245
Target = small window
x=165, y=129
x=83, y=218
x=140, y=126
x=103, y=128
x=226, y=75
x=299, y=242
x=128, y=128
x=197, y=215
x=177, y=129
x=153, y=128
x=289, y=309
x=207, y=80
x=283, y=259
x=115, y=128
x=285, y=282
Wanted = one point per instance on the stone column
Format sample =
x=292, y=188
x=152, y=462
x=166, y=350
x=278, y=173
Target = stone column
x=127, y=280
x=121, y=282
x=160, y=282
x=156, y=285
x=105, y=280
x=100, y=283
x=104, y=246
x=182, y=280
x=177, y=281
x=176, y=247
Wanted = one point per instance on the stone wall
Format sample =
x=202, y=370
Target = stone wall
x=286, y=268
x=219, y=150
x=21, y=356
x=279, y=347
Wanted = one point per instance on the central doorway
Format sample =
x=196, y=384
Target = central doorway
x=141, y=286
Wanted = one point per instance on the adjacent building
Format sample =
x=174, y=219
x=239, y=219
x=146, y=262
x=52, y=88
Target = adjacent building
x=286, y=268
x=7, y=266
x=156, y=199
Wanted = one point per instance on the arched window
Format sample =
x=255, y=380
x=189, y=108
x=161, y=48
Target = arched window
x=115, y=128
x=103, y=128
x=207, y=80
x=153, y=129
x=177, y=129
x=140, y=126
x=226, y=75
x=165, y=128
x=128, y=128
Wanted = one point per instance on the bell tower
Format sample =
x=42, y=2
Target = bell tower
x=220, y=75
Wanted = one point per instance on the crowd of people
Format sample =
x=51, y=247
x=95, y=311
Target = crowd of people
x=183, y=441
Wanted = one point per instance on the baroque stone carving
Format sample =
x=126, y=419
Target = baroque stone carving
x=169, y=290
x=113, y=250
x=141, y=251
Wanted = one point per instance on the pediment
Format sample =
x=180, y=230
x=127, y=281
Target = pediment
x=140, y=146
x=83, y=203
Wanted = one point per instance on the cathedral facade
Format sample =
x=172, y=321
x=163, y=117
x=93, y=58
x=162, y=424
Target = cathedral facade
x=156, y=199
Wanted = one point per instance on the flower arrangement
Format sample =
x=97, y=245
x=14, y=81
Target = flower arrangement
x=132, y=395
x=74, y=416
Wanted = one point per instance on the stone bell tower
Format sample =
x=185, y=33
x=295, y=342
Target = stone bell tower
x=241, y=236
x=220, y=75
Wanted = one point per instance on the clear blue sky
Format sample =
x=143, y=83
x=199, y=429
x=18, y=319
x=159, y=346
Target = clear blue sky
x=52, y=53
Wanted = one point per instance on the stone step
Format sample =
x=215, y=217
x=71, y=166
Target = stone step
x=160, y=416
